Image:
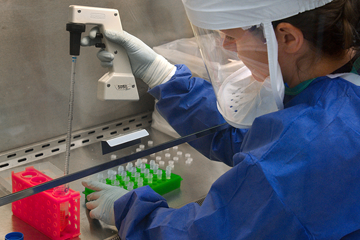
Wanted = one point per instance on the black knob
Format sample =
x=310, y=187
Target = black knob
x=75, y=30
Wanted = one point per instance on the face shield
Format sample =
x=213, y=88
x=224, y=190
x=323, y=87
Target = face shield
x=237, y=61
x=241, y=53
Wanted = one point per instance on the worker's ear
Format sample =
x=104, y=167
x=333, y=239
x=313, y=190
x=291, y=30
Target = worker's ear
x=290, y=38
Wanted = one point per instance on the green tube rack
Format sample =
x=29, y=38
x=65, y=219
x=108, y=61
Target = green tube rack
x=160, y=186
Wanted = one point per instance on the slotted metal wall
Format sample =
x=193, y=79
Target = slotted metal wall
x=35, y=66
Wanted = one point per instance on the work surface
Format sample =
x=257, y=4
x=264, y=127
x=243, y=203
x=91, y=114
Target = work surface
x=197, y=180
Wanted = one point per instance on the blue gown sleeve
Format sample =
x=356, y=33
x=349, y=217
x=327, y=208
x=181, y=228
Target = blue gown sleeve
x=247, y=208
x=189, y=105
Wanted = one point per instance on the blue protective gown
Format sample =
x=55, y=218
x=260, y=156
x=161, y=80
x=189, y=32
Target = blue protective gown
x=296, y=172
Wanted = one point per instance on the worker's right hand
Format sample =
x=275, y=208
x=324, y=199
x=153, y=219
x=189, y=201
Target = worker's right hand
x=146, y=64
x=101, y=202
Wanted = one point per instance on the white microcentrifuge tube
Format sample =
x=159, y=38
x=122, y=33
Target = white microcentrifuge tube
x=187, y=155
x=130, y=186
x=167, y=156
x=161, y=163
x=137, y=176
x=112, y=179
x=168, y=172
x=142, y=167
x=158, y=158
x=138, y=162
x=100, y=177
x=142, y=146
x=152, y=162
x=113, y=157
x=159, y=174
x=116, y=183
x=175, y=148
x=167, y=150
x=189, y=161
x=123, y=175
x=129, y=166
x=120, y=169
x=133, y=171
x=179, y=153
x=62, y=191
x=153, y=155
x=150, y=143
x=138, y=150
x=176, y=159
x=140, y=182
x=146, y=172
x=126, y=180
x=155, y=167
x=150, y=178
x=144, y=160
x=171, y=163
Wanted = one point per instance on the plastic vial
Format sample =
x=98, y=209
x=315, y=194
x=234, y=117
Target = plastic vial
x=167, y=150
x=175, y=148
x=159, y=174
x=179, y=153
x=129, y=166
x=167, y=155
x=140, y=183
x=158, y=158
x=187, y=155
x=112, y=179
x=123, y=175
x=188, y=161
x=137, y=176
x=61, y=191
x=130, y=186
x=152, y=162
x=146, y=172
x=116, y=183
x=161, y=163
x=113, y=157
x=109, y=172
x=168, y=172
x=171, y=163
x=138, y=162
x=133, y=171
x=100, y=177
x=153, y=155
x=150, y=143
x=142, y=167
x=175, y=159
x=121, y=169
x=150, y=178
x=138, y=150
x=155, y=167
x=126, y=180
x=142, y=146
x=144, y=160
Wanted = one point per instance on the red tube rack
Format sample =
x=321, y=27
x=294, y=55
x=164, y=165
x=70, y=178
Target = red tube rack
x=56, y=216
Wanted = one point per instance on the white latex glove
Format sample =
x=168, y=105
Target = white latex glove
x=146, y=64
x=101, y=202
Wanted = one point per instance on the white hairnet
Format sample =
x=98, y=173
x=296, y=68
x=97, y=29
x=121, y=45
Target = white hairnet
x=227, y=14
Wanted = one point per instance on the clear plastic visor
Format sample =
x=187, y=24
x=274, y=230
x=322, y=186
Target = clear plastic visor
x=238, y=68
x=227, y=51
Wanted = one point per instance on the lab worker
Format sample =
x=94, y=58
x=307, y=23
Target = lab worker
x=285, y=75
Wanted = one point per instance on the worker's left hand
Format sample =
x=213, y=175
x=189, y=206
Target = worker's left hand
x=101, y=202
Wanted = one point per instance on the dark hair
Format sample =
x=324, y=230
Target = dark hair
x=332, y=28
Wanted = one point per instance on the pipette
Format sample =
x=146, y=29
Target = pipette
x=75, y=38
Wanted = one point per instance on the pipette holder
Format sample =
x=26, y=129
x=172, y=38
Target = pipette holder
x=58, y=217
